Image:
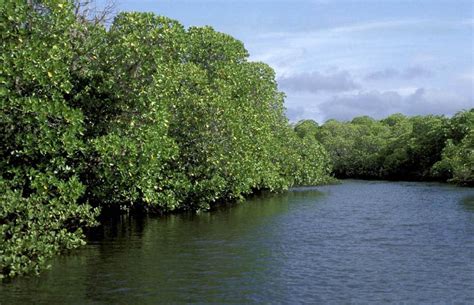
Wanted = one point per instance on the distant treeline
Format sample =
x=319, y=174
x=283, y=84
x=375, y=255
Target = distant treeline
x=400, y=147
x=145, y=114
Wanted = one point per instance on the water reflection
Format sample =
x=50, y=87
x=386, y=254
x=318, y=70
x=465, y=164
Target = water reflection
x=360, y=242
x=468, y=203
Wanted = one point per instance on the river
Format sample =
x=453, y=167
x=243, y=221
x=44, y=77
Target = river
x=358, y=242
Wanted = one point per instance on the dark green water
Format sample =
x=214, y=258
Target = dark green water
x=359, y=242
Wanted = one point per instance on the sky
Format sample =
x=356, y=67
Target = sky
x=345, y=58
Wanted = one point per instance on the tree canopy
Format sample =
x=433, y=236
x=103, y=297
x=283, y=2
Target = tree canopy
x=145, y=114
x=402, y=148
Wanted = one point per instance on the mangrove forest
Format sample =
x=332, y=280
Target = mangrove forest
x=147, y=115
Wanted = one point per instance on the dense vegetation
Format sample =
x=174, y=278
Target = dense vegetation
x=145, y=114
x=400, y=147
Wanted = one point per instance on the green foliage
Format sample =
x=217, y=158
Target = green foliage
x=40, y=138
x=144, y=115
x=462, y=160
x=354, y=147
x=311, y=163
x=306, y=128
x=399, y=147
x=457, y=162
x=132, y=150
x=35, y=227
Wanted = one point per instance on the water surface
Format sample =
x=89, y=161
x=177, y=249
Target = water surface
x=358, y=242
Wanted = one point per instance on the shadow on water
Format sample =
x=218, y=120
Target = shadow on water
x=185, y=257
x=190, y=257
x=468, y=203
x=118, y=227
x=121, y=227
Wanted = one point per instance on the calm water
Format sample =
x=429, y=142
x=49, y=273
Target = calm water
x=359, y=242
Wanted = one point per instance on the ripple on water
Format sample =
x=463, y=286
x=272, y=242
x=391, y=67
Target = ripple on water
x=357, y=242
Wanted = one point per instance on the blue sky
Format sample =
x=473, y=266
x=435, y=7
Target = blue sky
x=340, y=59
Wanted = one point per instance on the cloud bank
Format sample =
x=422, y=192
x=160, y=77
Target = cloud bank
x=314, y=82
x=405, y=74
x=379, y=104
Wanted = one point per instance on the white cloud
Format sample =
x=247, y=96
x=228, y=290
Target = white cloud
x=315, y=81
x=408, y=73
x=387, y=62
x=382, y=74
x=467, y=77
x=380, y=104
x=415, y=72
